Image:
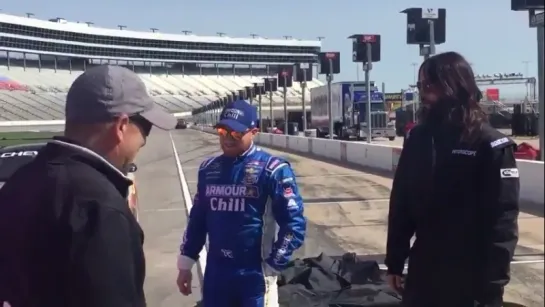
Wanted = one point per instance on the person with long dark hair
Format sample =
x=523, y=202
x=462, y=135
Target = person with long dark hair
x=456, y=189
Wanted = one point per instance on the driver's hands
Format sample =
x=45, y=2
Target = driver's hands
x=184, y=281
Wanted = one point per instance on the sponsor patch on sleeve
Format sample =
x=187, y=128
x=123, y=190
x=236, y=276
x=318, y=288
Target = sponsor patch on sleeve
x=273, y=163
x=499, y=142
x=288, y=179
x=509, y=173
x=288, y=192
x=292, y=204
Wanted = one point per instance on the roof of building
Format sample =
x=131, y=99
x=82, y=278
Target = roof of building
x=61, y=24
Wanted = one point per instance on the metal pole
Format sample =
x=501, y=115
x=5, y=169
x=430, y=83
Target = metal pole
x=260, y=112
x=353, y=120
x=384, y=99
x=541, y=89
x=285, y=90
x=303, y=89
x=432, y=38
x=330, y=98
x=368, y=67
x=271, y=108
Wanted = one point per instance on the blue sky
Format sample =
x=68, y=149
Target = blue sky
x=487, y=32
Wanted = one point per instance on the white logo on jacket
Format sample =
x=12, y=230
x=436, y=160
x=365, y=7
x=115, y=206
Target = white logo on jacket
x=509, y=173
x=464, y=152
x=499, y=142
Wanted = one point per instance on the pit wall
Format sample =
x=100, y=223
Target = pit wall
x=383, y=157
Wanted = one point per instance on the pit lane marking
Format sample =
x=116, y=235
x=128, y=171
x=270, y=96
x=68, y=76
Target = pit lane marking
x=187, y=199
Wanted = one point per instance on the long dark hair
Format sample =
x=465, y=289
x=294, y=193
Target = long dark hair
x=454, y=82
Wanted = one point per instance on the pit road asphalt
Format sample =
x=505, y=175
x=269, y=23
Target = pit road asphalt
x=346, y=211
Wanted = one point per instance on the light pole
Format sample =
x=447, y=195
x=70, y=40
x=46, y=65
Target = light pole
x=526, y=63
x=414, y=72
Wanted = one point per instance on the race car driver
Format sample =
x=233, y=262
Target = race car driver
x=241, y=196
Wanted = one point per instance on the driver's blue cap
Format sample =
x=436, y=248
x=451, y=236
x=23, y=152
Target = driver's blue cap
x=238, y=116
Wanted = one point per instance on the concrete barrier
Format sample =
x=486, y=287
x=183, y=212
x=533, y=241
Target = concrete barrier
x=48, y=125
x=384, y=157
x=32, y=125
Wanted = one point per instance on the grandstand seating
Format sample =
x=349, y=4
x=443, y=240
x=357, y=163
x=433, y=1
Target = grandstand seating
x=38, y=94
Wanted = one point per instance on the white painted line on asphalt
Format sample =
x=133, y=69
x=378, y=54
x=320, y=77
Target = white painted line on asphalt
x=331, y=175
x=384, y=267
x=349, y=201
x=187, y=199
x=163, y=210
x=527, y=261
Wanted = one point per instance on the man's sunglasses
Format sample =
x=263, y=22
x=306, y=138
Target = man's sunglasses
x=233, y=134
x=143, y=124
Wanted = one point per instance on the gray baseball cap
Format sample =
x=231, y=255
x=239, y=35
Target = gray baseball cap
x=104, y=92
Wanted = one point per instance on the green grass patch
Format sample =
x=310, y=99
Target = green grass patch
x=16, y=138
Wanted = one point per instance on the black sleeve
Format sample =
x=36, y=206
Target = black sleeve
x=400, y=225
x=501, y=199
x=103, y=257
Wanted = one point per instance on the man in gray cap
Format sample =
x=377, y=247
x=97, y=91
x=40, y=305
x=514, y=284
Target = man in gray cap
x=109, y=110
x=73, y=241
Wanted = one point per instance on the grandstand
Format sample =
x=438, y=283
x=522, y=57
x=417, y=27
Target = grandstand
x=39, y=59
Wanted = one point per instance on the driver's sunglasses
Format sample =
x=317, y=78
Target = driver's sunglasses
x=233, y=134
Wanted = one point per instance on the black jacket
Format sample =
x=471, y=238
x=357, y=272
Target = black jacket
x=460, y=200
x=67, y=236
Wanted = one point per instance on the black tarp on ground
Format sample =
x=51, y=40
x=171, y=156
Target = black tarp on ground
x=325, y=281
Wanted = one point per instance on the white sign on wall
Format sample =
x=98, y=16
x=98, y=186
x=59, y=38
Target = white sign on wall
x=430, y=13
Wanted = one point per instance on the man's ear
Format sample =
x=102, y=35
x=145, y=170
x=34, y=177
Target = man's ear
x=254, y=131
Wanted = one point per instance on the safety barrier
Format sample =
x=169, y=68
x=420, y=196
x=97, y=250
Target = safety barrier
x=384, y=158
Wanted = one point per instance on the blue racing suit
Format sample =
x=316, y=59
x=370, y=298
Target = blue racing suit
x=240, y=203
